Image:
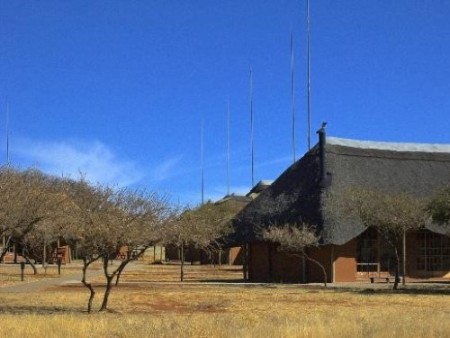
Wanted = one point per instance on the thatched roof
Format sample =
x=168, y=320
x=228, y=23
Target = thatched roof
x=302, y=193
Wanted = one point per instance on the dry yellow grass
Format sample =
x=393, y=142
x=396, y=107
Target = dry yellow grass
x=142, y=309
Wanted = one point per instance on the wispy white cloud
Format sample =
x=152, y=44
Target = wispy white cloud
x=168, y=168
x=94, y=160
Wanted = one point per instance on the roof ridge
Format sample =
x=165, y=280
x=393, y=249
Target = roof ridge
x=391, y=146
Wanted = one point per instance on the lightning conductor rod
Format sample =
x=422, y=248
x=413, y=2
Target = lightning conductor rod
x=7, y=134
x=251, y=128
x=308, y=72
x=202, y=164
x=228, y=147
x=292, y=96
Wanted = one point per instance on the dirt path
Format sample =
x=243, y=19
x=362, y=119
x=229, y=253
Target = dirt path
x=72, y=277
x=42, y=284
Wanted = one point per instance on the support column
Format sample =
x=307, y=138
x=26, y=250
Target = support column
x=404, y=257
x=333, y=265
x=245, y=262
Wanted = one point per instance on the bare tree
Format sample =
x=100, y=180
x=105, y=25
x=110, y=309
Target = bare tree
x=182, y=233
x=214, y=223
x=295, y=240
x=87, y=210
x=108, y=220
x=139, y=222
x=28, y=199
x=200, y=228
x=393, y=215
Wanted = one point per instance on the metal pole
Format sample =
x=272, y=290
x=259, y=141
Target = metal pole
x=308, y=29
x=251, y=128
x=202, y=160
x=8, y=160
x=58, y=261
x=22, y=269
x=228, y=147
x=404, y=257
x=293, y=96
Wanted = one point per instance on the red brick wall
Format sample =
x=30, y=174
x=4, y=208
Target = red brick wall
x=267, y=264
x=345, y=262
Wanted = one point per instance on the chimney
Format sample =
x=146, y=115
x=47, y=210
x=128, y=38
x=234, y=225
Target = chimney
x=322, y=142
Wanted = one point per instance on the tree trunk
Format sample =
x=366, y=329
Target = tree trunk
x=44, y=253
x=325, y=277
x=124, y=263
x=109, y=284
x=91, y=297
x=119, y=273
x=27, y=259
x=86, y=264
x=210, y=258
x=182, y=263
x=397, y=268
x=108, y=289
x=15, y=253
x=3, y=253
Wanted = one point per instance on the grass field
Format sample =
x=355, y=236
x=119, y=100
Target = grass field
x=141, y=308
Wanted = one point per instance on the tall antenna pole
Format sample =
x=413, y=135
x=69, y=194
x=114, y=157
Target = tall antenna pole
x=292, y=96
x=228, y=147
x=202, y=163
x=308, y=29
x=7, y=133
x=251, y=127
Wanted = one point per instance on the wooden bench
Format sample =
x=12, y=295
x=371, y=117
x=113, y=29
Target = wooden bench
x=387, y=279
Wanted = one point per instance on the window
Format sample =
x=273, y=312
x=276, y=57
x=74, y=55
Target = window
x=433, y=251
x=367, y=251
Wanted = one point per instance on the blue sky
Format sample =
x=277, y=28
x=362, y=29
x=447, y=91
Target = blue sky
x=117, y=90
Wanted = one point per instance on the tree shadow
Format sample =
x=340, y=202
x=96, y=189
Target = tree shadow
x=407, y=291
x=224, y=281
x=39, y=310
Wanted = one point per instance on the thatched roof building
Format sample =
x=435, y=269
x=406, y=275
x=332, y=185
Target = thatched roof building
x=305, y=191
x=302, y=192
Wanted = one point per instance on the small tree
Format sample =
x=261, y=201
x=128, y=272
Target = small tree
x=393, y=215
x=138, y=224
x=213, y=219
x=200, y=228
x=183, y=233
x=294, y=240
x=28, y=200
x=106, y=220
x=439, y=208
